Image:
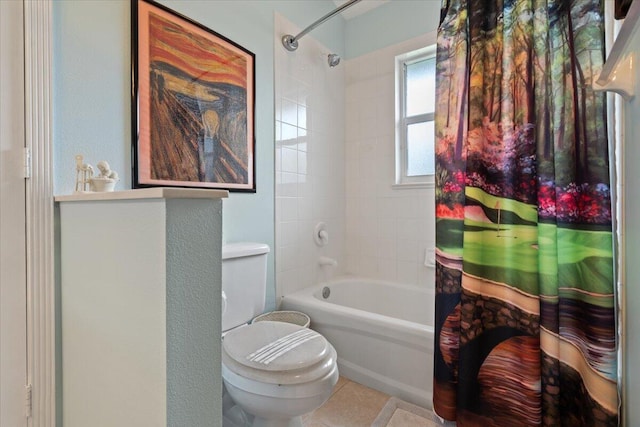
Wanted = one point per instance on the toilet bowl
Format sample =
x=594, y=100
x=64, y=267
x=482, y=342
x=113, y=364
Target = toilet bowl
x=273, y=372
x=277, y=371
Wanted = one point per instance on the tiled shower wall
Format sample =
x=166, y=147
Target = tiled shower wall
x=335, y=163
x=390, y=230
x=310, y=169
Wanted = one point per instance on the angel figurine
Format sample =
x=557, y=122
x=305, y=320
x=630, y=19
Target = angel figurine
x=106, y=179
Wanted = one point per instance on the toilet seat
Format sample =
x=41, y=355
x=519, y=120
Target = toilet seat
x=280, y=391
x=277, y=353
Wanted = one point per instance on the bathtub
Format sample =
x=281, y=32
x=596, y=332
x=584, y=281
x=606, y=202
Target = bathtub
x=382, y=332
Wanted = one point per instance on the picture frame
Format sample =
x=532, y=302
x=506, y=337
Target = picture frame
x=193, y=104
x=621, y=9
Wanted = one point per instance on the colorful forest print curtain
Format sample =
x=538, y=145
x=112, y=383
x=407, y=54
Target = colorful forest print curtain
x=525, y=305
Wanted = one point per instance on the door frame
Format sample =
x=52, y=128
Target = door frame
x=13, y=281
x=41, y=283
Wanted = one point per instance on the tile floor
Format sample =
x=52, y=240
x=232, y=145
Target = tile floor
x=354, y=405
x=350, y=405
x=402, y=418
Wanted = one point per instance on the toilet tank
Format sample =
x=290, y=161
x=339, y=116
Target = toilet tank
x=244, y=282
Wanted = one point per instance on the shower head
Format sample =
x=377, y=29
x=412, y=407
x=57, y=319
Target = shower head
x=333, y=59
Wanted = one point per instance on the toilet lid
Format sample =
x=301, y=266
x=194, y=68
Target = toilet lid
x=277, y=347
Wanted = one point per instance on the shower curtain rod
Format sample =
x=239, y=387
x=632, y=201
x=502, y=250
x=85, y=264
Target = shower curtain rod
x=291, y=43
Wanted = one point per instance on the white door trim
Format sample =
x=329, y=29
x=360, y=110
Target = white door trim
x=41, y=339
x=13, y=281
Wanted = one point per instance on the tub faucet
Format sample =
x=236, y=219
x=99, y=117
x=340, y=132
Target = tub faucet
x=324, y=260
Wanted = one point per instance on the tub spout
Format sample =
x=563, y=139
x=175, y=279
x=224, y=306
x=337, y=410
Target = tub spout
x=324, y=260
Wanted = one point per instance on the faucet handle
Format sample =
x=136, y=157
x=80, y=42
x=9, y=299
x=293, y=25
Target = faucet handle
x=320, y=234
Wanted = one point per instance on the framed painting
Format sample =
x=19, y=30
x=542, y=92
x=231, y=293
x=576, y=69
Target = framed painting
x=193, y=104
x=622, y=7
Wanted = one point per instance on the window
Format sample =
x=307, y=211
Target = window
x=415, y=108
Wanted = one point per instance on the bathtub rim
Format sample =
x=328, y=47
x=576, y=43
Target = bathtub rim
x=331, y=318
x=391, y=328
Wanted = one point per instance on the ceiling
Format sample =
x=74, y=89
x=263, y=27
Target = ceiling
x=359, y=8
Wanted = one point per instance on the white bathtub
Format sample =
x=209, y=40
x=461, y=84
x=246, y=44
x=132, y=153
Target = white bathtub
x=382, y=331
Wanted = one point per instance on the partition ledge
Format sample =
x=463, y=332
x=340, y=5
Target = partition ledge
x=146, y=193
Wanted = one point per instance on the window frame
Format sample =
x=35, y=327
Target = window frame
x=402, y=180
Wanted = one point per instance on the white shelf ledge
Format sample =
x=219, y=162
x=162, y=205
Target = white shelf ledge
x=618, y=71
x=146, y=193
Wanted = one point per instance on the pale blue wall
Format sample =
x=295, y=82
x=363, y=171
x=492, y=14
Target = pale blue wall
x=91, y=78
x=391, y=23
x=91, y=99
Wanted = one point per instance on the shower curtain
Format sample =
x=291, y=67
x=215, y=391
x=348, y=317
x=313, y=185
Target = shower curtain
x=525, y=305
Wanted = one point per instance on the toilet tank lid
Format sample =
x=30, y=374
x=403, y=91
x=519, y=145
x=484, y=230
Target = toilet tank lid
x=242, y=249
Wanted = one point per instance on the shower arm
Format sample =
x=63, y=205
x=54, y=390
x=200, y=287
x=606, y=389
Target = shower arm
x=291, y=43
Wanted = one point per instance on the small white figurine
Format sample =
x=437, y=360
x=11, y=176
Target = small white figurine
x=84, y=173
x=106, y=179
x=105, y=171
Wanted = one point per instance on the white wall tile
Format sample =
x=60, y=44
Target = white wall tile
x=304, y=139
x=302, y=116
x=369, y=207
x=426, y=277
x=278, y=108
x=288, y=233
x=289, y=160
x=287, y=257
x=278, y=130
x=403, y=224
x=351, y=263
x=302, y=132
x=407, y=272
x=387, y=207
x=336, y=129
x=386, y=63
x=368, y=67
x=288, y=282
x=408, y=228
x=305, y=186
x=312, y=153
x=388, y=229
x=352, y=71
x=289, y=133
x=302, y=162
x=368, y=267
x=370, y=246
x=387, y=270
x=288, y=209
x=407, y=250
x=407, y=207
x=387, y=249
x=289, y=112
x=304, y=93
x=289, y=90
x=305, y=208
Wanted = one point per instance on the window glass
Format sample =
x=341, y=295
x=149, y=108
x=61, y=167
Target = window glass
x=415, y=114
x=420, y=149
x=420, y=87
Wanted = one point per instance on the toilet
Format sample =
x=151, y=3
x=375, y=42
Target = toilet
x=273, y=372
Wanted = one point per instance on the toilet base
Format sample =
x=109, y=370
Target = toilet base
x=247, y=409
x=291, y=422
x=236, y=417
